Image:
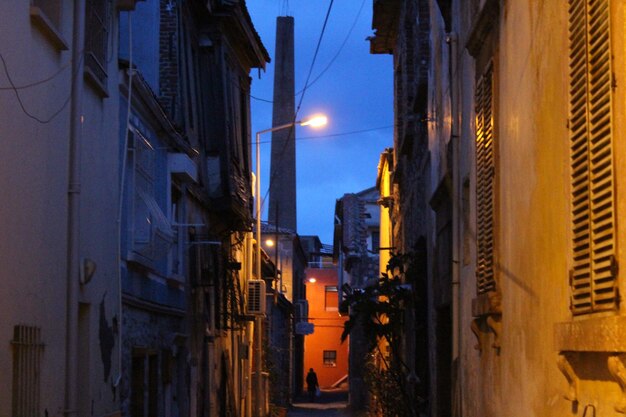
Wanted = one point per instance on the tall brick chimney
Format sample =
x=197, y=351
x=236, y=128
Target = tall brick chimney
x=282, y=208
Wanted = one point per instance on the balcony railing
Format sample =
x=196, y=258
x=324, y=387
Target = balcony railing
x=322, y=265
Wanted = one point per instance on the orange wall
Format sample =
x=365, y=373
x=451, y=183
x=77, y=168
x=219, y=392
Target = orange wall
x=328, y=329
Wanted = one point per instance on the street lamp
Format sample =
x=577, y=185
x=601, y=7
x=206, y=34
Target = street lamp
x=313, y=121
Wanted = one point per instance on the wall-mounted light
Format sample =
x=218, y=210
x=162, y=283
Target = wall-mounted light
x=312, y=280
x=87, y=269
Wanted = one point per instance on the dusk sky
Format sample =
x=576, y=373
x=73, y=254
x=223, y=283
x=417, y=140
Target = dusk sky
x=354, y=91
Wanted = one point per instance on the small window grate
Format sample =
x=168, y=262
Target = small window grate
x=27, y=354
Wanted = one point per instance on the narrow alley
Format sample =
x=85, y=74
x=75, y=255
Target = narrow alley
x=210, y=207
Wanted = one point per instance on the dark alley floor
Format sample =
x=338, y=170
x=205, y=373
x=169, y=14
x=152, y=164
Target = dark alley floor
x=332, y=403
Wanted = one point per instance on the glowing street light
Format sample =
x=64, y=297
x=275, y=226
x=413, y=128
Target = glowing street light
x=314, y=121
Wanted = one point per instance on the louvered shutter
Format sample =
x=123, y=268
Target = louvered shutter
x=593, y=275
x=485, y=171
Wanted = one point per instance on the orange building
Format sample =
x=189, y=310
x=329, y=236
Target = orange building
x=323, y=350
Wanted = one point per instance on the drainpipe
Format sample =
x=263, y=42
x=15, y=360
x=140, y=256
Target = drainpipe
x=120, y=209
x=452, y=40
x=73, y=214
x=250, y=328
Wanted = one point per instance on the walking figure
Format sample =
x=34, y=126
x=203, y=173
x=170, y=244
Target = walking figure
x=312, y=384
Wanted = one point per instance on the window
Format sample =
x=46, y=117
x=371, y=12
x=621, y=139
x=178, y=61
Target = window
x=375, y=241
x=144, y=187
x=331, y=298
x=96, y=40
x=144, y=398
x=27, y=353
x=46, y=15
x=593, y=275
x=152, y=235
x=176, y=255
x=485, y=172
x=330, y=358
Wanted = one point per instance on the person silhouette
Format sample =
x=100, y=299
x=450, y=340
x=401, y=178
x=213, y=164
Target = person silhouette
x=311, y=384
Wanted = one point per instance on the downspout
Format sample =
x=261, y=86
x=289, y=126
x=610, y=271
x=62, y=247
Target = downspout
x=249, y=330
x=120, y=209
x=452, y=40
x=73, y=213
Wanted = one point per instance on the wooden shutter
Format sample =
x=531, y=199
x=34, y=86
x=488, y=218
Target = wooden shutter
x=593, y=275
x=485, y=171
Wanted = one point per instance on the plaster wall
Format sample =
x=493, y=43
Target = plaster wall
x=33, y=209
x=34, y=160
x=328, y=328
x=532, y=220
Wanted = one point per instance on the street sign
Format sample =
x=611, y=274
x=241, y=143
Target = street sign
x=304, y=328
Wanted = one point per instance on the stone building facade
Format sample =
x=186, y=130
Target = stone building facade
x=60, y=304
x=124, y=240
x=189, y=338
x=522, y=117
x=355, y=250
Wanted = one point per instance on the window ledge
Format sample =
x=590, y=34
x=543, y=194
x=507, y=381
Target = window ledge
x=487, y=312
x=39, y=19
x=127, y=5
x=487, y=304
x=598, y=334
x=482, y=27
x=598, y=339
x=97, y=85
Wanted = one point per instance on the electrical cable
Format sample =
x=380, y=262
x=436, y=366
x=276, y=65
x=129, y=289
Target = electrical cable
x=42, y=81
x=15, y=89
x=255, y=98
x=332, y=60
x=293, y=126
x=332, y=135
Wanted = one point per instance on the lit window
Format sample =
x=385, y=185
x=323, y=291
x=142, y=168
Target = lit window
x=331, y=298
x=330, y=358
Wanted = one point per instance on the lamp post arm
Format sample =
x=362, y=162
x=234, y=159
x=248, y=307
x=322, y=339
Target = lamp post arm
x=258, y=189
x=275, y=128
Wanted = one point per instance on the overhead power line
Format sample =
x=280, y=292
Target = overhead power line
x=16, y=90
x=333, y=135
x=332, y=60
x=291, y=135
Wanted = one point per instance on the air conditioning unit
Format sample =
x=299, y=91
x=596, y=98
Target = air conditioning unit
x=255, y=289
